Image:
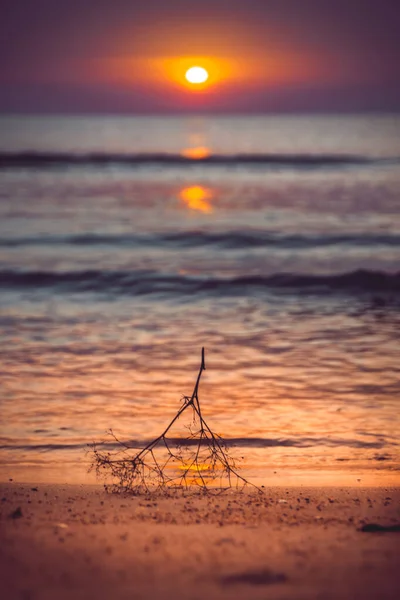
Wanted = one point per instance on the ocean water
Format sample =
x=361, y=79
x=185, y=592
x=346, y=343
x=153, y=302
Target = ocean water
x=128, y=244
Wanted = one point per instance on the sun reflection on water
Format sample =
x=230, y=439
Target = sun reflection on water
x=197, y=197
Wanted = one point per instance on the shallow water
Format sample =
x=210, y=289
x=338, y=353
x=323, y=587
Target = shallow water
x=120, y=257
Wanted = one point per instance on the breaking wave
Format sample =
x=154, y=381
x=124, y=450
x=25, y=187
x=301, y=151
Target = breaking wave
x=151, y=282
x=242, y=442
x=230, y=240
x=299, y=161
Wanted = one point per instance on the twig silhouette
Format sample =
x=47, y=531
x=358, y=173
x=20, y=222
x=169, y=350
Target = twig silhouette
x=201, y=460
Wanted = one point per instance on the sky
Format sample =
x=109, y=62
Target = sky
x=127, y=56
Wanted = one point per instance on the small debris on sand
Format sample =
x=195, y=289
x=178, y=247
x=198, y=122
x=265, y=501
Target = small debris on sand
x=263, y=577
x=16, y=514
x=376, y=528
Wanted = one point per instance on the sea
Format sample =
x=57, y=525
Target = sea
x=128, y=244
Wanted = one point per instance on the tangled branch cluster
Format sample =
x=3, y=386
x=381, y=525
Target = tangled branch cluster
x=200, y=460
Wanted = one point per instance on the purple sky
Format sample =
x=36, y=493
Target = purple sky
x=68, y=56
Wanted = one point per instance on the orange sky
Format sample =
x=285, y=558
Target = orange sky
x=121, y=56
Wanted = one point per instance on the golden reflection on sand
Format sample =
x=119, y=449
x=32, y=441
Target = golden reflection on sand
x=195, y=467
x=197, y=197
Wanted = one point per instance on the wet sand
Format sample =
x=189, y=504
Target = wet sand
x=65, y=541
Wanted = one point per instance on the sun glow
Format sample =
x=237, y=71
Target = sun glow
x=196, y=152
x=199, y=77
x=196, y=75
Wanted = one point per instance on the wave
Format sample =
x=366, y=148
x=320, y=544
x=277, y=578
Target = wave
x=243, y=442
x=149, y=282
x=225, y=240
x=68, y=159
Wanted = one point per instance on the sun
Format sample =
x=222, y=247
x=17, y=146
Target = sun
x=196, y=75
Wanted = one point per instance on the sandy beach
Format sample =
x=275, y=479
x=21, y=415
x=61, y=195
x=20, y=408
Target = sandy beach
x=66, y=541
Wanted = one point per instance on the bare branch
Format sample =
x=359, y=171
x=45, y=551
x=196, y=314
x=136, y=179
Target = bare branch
x=197, y=461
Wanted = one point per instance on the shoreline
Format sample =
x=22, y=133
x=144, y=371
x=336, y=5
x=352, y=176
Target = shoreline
x=77, y=474
x=77, y=541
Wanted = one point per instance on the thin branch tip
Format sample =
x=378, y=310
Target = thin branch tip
x=203, y=362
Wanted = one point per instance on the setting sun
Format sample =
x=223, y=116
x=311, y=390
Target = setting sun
x=196, y=75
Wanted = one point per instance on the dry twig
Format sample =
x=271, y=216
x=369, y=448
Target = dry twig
x=200, y=460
